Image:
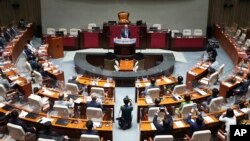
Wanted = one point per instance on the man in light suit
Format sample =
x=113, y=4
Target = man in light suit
x=125, y=33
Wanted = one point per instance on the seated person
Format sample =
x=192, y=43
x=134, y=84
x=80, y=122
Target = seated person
x=242, y=88
x=229, y=118
x=5, y=82
x=187, y=99
x=7, y=35
x=126, y=114
x=31, y=47
x=152, y=85
x=3, y=41
x=211, y=54
x=4, y=119
x=244, y=63
x=157, y=102
x=22, y=24
x=245, y=107
x=62, y=101
x=94, y=103
x=196, y=125
x=15, y=120
x=48, y=133
x=204, y=105
x=213, y=67
x=89, y=126
x=29, y=52
x=164, y=126
x=73, y=80
x=125, y=32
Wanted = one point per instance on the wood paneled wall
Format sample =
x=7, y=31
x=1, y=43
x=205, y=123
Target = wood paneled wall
x=229, y=11
x=220, y=11
x=13, y=10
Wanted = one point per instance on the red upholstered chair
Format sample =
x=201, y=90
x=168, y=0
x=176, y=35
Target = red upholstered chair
x=123, y=17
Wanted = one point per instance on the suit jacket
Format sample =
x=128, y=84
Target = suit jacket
x=7, y=36
x=163, y=130
x=125, y=33
x=127, y=112
x=94, y=104
x=22, y=124
x=194, y=126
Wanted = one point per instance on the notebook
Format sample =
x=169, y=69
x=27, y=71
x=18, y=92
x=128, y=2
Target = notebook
x=31, y=115
x=7, y=108
x=62, y=122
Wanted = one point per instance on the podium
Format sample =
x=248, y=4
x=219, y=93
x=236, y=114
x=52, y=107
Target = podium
x=55, y=49
x=124, y=46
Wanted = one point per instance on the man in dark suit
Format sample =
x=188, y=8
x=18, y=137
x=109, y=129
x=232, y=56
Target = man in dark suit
x=125, y=33
x=94, y=103
x=89, y=126
x=126, y=111
x=15, y=120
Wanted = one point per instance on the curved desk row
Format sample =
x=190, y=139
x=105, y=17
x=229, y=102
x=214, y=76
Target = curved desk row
x=72, y=128
x=164, y=68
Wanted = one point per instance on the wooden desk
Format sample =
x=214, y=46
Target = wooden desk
x=196, y=74
x=159, y=39
x=189, y=43
x=165, y=83
x=53, y=95
x=16, y=46
x=109, y=86
x=169, y=101
x=72, y=129
x=126, y=65
x=229, y=45
x=68, y=42
x=56, y=74
x=180, y=127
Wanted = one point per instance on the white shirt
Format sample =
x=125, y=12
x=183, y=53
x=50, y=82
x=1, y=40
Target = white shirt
x=228, y=121
x=215, y=65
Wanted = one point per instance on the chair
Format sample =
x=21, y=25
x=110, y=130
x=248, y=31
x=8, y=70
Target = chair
x=237, y=34
x=153, y=92
x=180, y=89
x=62, y=110
x=117, y=63
x=37, y=103
x=187, y=32
x=123, y=17
x=90, y=25
x=6, y=94
x=242, y=38
x=28, y=66
x=203, y=135
x=246, y=45
x=39, y=78
x=99, y=92
x=151, y=113
x=73, y=32
x=24, y=54
x=94, y=114
x=16, y=132
x=64, y=30
x=197, y=32
x=135, y=68
x=186, y=109
x=163, y=138
x=158, y=26
x=116, y=68
x=174, y=31
x=221, y=135
x=215, y=104
x=51, y=31
x=220, y=71
x=87, y=137
x=73, y=88
x=211, y=80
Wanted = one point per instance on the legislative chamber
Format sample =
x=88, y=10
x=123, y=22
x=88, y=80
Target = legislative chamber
x=119, y=71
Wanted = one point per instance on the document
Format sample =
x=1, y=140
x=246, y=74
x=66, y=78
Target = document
x=179, y=123
x=152, y=126
x=208, y=119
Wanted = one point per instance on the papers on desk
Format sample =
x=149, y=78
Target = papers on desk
x=208, y=119
x=147, y=84
x=192, y=73
x=47, y=92
x=149, y=100
x=97, y=124
x=152, y=126
x=107, y=85
x=88, y=98
x=45, y=119
x=179, y=123
x=23, y=114
x=2, y=105
x=201, y=92
x=237, y=113
x=78, y=100
x=18, y=81
x=177, y=97
x=227, y=84
x=12, y=78
x=94, y=83
x=167, y=80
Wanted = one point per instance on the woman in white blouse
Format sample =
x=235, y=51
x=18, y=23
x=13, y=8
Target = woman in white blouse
x=230, y=119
